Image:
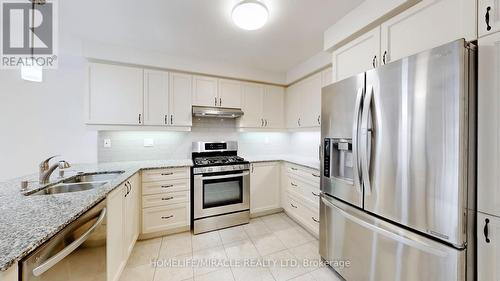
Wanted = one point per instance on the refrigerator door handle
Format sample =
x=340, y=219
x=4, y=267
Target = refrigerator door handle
x=355, y=133
x=365, y=142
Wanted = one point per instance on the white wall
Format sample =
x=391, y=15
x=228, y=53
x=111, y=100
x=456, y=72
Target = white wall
x=42, y=119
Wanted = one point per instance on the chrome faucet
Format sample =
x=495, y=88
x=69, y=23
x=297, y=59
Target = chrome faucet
x=46, y=170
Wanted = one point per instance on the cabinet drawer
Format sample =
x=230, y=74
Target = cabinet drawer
x=304, y=190
x=307, y=216
x=165, y=217
x=165, y=174
x=309, y=175
x=159, y=187
x=164, y=199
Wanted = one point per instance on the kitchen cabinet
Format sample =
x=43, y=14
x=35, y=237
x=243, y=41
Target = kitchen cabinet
x=311, y=101
x=230, y=92
x=488, y=247
x=273, y=107
x=359, y=55
x=488, y=17
x=165, y=201
x=264, y=187
x=115, y=95
x=252, y=106
x=428, y=24
x=156, y=103
x=327, y=76
x=122, y=226
x=488, y=152
x=11, y=274
x=303, y=107
x=293, y=106
x=180, y=95
x=205, y=91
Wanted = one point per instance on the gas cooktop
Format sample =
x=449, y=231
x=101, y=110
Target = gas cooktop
x=218, y=160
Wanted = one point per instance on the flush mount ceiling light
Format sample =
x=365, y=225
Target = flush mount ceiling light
x=250, y=15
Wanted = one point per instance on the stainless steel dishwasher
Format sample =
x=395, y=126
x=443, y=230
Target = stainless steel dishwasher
x=76, y=253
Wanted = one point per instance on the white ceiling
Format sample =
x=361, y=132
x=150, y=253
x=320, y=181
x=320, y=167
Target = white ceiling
x=202, y=29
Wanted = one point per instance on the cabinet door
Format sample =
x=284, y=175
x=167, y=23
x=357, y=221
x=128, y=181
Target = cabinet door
x=181, y=86
x=488, y=247
x=264, y=187
x=230, y=93
x=252, y=106
x=115, y=95
x=327, y=77
x=311, y=101
x=205, y=91
x=131, y=214
x=155, y=97
x=293, y=106
x=274, y=107
x=359, y=55
x=115, y=238
x=488, y=189
x=426, y=25
x=488, y=17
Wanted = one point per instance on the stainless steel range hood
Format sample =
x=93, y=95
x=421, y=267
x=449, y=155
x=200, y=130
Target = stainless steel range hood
x=216, y=112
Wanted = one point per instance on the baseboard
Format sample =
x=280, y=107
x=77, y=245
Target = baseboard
x=146, y=236
x=265, y=213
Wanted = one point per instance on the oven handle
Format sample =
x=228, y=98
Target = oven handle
x=226, y=176
x=70, y=248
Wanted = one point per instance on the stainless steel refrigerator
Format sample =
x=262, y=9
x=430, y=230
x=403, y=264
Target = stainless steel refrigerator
x=398, y=169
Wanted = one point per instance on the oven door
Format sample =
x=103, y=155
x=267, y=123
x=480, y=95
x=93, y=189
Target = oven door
x=221, y=193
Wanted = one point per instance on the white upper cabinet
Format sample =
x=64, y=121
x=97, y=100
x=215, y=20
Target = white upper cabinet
x=180, y=99
x=230, y=92
x=273, y=107
x=488, y=247
x=293, y=106
x=488, y=17
x=115, y=95
x=488, y=153
x=311, y=101
x=359, y=55
x=205, y=91
x=252, y=106
x=156, y=97
x=426, y=25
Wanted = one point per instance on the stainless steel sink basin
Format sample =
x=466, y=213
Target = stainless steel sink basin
x=80, y=182
x=69, y=187
x=93, y=177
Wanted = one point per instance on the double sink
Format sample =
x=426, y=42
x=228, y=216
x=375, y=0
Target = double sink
x=80, y=182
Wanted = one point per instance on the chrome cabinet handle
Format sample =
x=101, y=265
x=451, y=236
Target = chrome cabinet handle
x=220, y=101
x=167, y=174
x=295, y=169
x=166, y=119
x=317, y=195
x=70, y=248
x=171, y=119
x=314, y=219
x=266, y=123
x=215, y=101
x=167, y=186
x=319, y=119
x=374, y=61
x=384, y=58
x=298, y=121
x=140, y=115
x=314, y=175
x=167, y=198
x=293, y=205
x=294, y=185
x=485, y=230
x=261, y=122
x=167, y=217
x=487, y=18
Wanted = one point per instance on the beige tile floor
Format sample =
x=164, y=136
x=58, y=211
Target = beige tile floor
x=275, y=238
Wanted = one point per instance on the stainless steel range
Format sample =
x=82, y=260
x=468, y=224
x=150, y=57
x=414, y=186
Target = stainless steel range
x=221, y=186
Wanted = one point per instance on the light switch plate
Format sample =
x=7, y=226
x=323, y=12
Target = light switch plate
x=107, y=143
x=149, y=142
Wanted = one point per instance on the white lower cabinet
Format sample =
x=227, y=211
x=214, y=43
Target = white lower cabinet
x=264, y=187
x=300, y=195
x=165, y=201
x=488, y=247
x=122, y=226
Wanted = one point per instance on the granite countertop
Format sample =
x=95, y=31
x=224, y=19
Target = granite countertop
x=28, y=221
x=308, y=162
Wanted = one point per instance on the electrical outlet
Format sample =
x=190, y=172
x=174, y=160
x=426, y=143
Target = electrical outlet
x=107, y=143
x=149, y=142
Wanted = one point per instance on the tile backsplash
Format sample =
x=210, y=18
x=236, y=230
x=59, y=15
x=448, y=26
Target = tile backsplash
x=129, y=145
